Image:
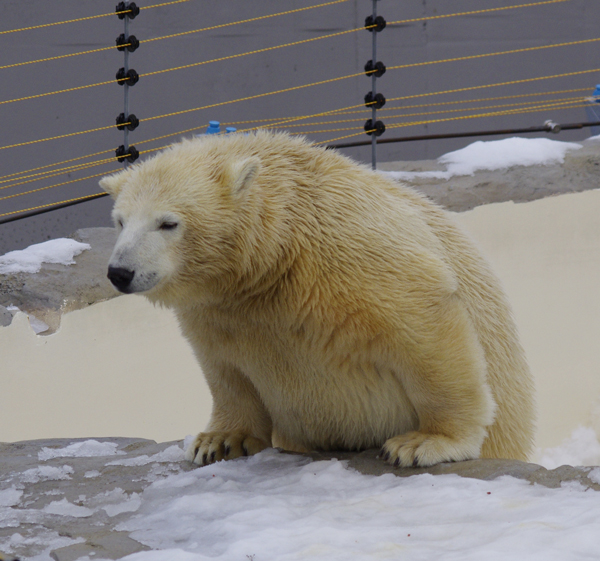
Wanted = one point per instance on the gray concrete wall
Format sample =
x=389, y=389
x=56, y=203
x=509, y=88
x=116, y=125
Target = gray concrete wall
x=65, y=113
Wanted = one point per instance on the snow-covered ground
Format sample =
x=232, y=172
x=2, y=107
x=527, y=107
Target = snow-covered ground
x=279, y=507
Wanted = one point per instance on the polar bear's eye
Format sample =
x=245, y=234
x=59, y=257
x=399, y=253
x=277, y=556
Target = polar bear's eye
x=168, y=225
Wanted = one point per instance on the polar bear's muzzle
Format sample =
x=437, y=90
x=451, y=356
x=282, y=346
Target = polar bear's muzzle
x=121, y=278
x=131, y=281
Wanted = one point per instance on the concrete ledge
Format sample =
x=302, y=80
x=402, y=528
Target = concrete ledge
x=94, y=486
x=579, y=172
x=58, y=289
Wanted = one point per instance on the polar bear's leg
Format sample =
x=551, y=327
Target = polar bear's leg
x=445, y=380
x=239, y=425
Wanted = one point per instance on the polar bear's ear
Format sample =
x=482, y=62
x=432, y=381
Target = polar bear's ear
x=113, y=184
x=243, y=173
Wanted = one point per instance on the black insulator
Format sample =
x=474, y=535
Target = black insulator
x=130, y=11
x=379, y=23
x=131, y=43
x=132, y=122
x=378, y=129
x=379, y=69
x=374, y=102
x=130, y=77
x=131, y=154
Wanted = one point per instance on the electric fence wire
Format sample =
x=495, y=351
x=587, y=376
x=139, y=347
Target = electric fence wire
x=221, y=59
x=541, y=107
x=213, y=27
x=32, y=27
x=295, y=88
x=183, y=33
x=331, y=112
x=286, y=122
x=28, y=173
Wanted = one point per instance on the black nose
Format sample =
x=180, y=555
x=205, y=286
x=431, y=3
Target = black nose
x=121, y=278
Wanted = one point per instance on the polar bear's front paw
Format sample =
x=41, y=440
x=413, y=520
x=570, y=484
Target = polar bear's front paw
x=210, y=447
x=417, y=449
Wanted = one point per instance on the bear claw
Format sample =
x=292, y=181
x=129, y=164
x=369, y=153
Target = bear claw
x=215, y=446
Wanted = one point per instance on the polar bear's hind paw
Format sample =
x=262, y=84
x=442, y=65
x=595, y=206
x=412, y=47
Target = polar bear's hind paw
x=417, y=449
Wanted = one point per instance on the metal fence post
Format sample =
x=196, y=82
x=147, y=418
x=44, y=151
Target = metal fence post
x=127, y=77
x=375, y=69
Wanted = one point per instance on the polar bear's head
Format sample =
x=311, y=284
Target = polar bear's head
x=179, y=218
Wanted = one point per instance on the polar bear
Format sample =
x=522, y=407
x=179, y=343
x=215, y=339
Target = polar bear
x=329, y=307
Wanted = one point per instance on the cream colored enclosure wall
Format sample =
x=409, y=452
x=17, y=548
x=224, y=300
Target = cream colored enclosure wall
x=116, y=368
x=121, y=368
x=547, y=254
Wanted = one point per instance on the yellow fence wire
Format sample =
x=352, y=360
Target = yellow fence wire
x=88, y=18
x=221, y=59
x=210, y=28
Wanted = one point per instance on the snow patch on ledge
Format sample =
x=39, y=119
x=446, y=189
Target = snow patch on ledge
x=60, y=251
x=85, y=449
x=494, y=155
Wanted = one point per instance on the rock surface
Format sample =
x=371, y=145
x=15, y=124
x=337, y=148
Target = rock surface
x=579, y=172
x=59, y=289
x=71, y=507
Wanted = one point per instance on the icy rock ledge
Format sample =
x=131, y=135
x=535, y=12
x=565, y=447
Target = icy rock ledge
x=64, y=499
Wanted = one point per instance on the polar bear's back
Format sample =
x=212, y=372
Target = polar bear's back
x=511, y=435
x=371, y=202
x=349, y=227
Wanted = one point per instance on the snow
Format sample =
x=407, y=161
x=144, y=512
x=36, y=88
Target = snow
x=281, y=507
x=117, y=501
x=580, y=449
x=171, y=454
x=10, y=497
x=276, y=506
x=65, y=508
x=85, y=449
x=37, y=325
x=60, y=251
x=495, y=155
x=46, y=473
x=49, y=538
